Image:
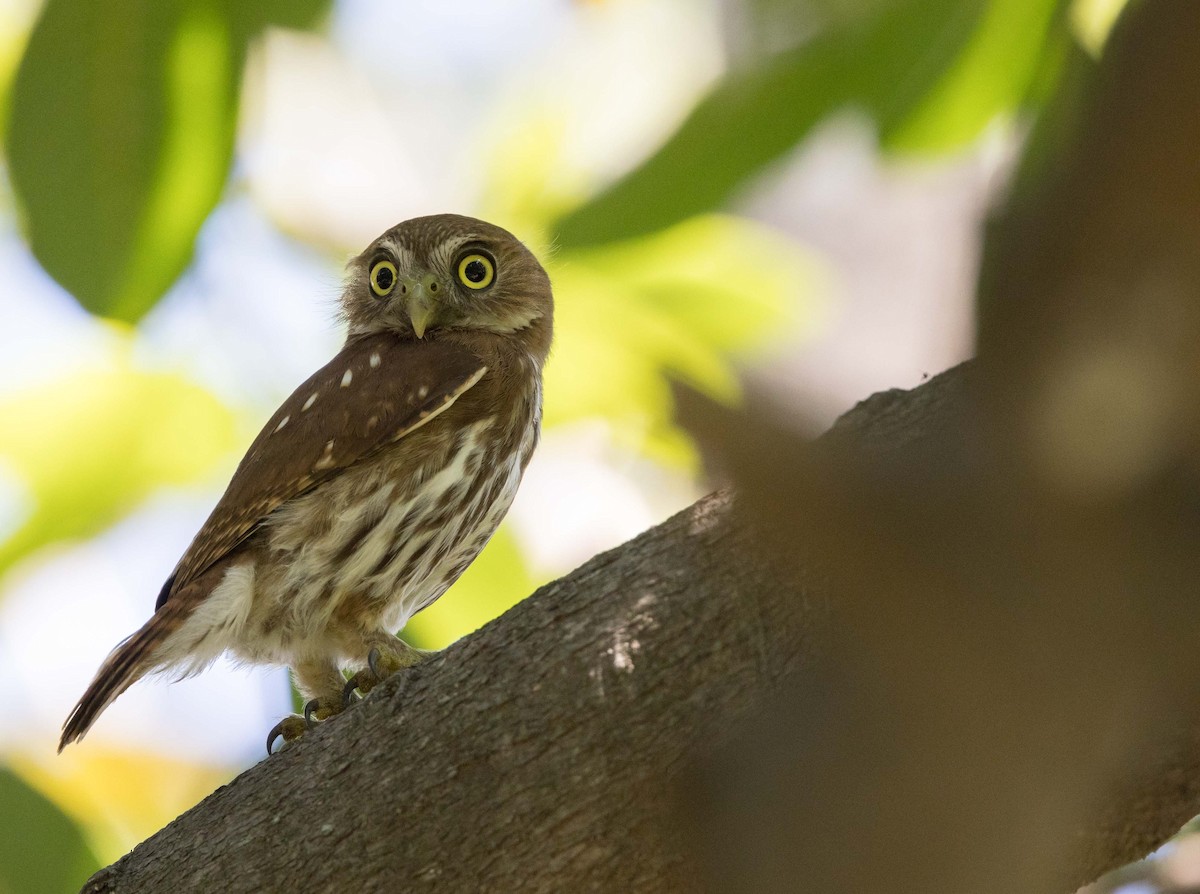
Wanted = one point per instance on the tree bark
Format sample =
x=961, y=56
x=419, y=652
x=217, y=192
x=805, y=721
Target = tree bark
x=552, y=750
x=537, y=754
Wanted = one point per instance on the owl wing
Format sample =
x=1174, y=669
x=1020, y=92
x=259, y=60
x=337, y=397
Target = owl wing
x=376, y=390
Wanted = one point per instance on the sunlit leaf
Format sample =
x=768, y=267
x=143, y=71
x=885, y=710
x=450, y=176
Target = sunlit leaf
x=991, y=76
x=120, y=797
x=684, y=302
x=41, y=849
x=300, y=14
x=121, y=136
x=90, y=446
x=924, y=58
x=119, y=141
x=16, y=20
x=1092, y=20
x=495, y=582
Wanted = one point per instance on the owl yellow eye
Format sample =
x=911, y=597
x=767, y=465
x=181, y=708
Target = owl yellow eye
x=383, y=277
x=476, y=271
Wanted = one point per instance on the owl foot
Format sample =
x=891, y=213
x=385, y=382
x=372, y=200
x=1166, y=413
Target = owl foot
x=289, y=729
x=381, y=664
x=294, y=726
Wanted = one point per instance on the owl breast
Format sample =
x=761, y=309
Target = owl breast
x=383, y=540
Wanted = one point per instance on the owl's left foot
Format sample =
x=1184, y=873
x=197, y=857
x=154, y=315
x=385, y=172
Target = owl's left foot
x=381, y=664
x=294, y=726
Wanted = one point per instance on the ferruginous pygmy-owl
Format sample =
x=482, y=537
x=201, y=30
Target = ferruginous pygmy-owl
x=376, y=483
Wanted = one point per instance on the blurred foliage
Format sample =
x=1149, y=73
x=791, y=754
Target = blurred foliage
x=931, y=73
x=92, y=444
x=119, y=156
x=40, y=848
x=121, y=796
x=120, y=125
x=680, y=303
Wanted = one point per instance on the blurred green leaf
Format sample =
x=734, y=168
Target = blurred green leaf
x=684, y=301
x=916, y=66
x=1092, y=20
x=991, y=76
x=41, y=850
x=118, y=794
x=120, y=136
x=298, y=14
x=89, y=447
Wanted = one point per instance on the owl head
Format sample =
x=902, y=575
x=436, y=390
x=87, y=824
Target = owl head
x=445, y=273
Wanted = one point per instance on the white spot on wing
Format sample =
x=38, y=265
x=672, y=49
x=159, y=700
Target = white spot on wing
x=312, y=399
x=375, y=360
x=282, y=423
x=347, y=378
x=422, y=392
x=326, y=460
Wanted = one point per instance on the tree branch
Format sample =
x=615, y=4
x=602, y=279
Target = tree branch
x=546, y=751
x=536, y=754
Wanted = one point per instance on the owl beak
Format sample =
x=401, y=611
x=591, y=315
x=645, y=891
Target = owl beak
x=420, y=308
x=420, y=314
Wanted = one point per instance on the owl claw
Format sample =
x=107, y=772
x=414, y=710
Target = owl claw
x=318, y=709
x=349, y=693
x=310, y=706
x=380, y=666
x=294, y=726
x=289, y=729
x=374, y=664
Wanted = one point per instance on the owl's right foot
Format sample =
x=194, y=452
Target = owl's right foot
x=289, y=729
x=381, y=664
x=294, y=726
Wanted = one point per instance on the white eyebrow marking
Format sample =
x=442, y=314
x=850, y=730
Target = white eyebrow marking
x=444, y=253
x=376, y=360
x=404, y=258
x=312, y=399
x=282, y=423
x=347, y=378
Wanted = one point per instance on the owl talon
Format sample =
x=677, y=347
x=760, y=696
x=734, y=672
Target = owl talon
x=318, y=709
x=309, y=707
x=289, y=729
x=373, y=663
x=349, y=694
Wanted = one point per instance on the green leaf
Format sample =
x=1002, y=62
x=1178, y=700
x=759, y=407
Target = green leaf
x=991, y=76
x=41, y=850
x=120, y=139
x=297, y=14
x=684, y=301
x=916, y=66
x=89, y=447
x=120, y=136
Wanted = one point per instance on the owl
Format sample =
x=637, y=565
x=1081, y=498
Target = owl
x=373, y=486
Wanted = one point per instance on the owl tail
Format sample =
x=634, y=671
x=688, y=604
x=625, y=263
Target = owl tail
x=124, y=666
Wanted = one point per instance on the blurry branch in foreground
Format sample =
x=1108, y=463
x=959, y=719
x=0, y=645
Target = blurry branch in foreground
x=950, y=646
x=1010, y=700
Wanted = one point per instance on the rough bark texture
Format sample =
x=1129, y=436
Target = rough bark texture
x=534, y=755
x=543, y=752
